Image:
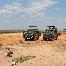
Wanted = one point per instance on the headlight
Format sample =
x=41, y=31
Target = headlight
x=24, y=33
x=26, y=36
x=50, y=38
x=31, y=36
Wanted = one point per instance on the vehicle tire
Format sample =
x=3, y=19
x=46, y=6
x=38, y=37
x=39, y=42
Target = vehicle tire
x=25, y=39
x=44, y=39
x=37, y=37
x=34, y=39
x=55, y=38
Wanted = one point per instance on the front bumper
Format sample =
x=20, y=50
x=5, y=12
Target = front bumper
x=48, y=37
x=29, y=38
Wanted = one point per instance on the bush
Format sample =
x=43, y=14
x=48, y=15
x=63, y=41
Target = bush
x=23, y=58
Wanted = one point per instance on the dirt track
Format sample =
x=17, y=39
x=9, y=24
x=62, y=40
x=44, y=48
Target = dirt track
x=13, y=38
x=47, y=53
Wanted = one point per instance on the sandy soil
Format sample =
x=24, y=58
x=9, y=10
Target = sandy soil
x=47, y=53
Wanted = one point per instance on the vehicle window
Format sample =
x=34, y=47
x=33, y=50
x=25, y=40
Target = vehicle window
x=49, y=31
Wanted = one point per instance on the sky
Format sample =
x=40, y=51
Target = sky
x=19, y=14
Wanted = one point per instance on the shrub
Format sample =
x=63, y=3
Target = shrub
x=23, y=58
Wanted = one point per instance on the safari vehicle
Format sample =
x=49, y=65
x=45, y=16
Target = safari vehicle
x=31, y=34
x=51, y=33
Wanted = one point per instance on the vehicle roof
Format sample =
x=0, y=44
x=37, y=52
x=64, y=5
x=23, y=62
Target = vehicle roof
x=50, y=26
x=32, y=26
x=32, y=29
x=49, y=30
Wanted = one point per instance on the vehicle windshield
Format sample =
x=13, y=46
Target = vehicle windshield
x=49, y=31
x=30, y=31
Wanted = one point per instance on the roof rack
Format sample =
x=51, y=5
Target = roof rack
x=32, y=26
x=50, y=26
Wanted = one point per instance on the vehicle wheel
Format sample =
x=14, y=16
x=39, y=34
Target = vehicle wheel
x=55, y=38
x=44, y=39
x=38, y=38
x=25, y=39
x=34, y=39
